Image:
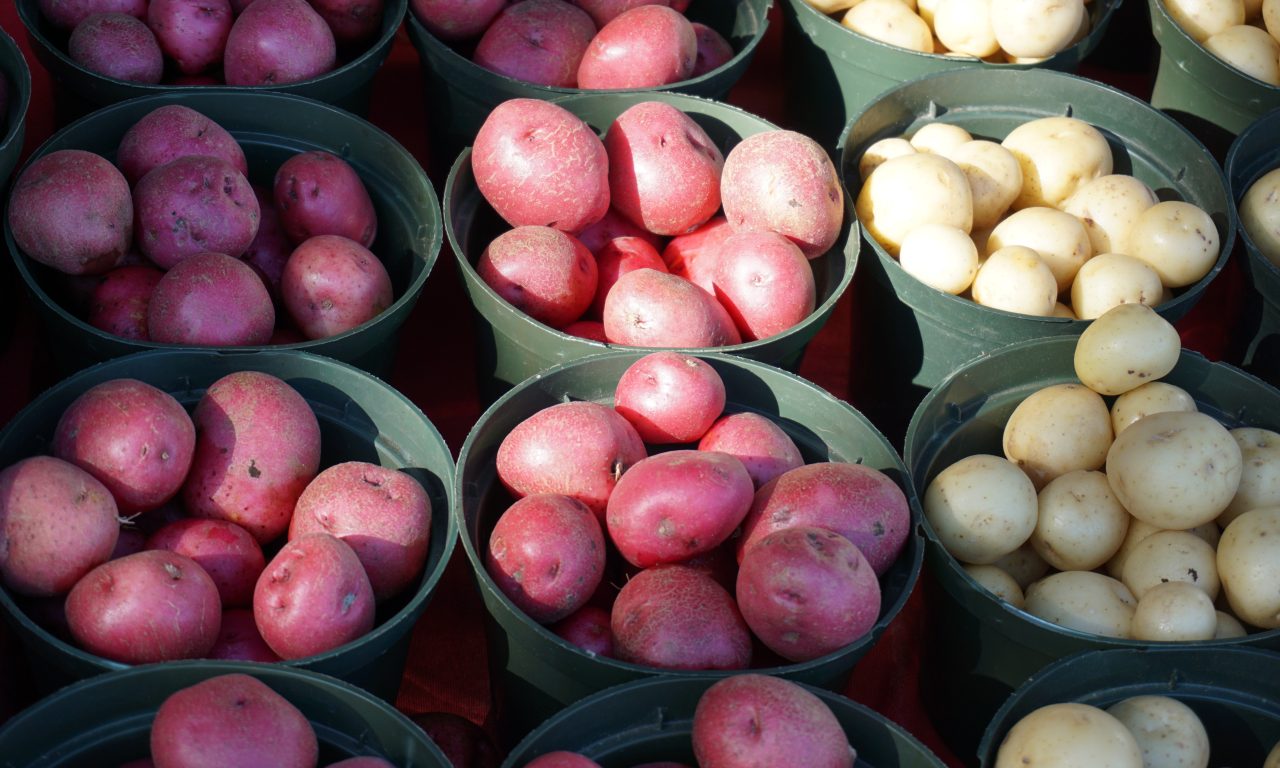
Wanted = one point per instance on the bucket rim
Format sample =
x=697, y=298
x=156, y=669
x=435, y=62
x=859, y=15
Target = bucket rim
x=1268, y=125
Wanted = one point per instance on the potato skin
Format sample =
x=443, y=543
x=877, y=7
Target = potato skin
x=650, y=45
x=192, y=33
x=227, y=552
x=119, y=301
x=194, y=204
x=332, y=284
x=211, y=299
x=117, y=45
x=537, y=41
x=172, y=131
x=319, y=193
x=274, y=42
x=677, y=617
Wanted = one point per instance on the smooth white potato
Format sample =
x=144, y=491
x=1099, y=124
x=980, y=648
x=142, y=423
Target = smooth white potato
x=1069, y=735
x=939, y=138
x=892, y=22
x=1080, y=523
x=1178, y=240
x=1016, y=279
x=1124, y=348
x=832, y=6
x=1085, y=601
x=1202, y=18
x=1058, y=237
x=1062, y=310
x=1169, y=733
x=964, y=26
x=1134, y=535
x=1259, y=474
x=1174, y=612
x=1110, y=279
x=1035, y=28
x=1249, y=565
x=1228, y=626
x=941, y=257
x=1058, y=155
x=1058, y=429
x=1167, y=556
x=1024, y=564
x=912, y=190
x=981, y=508
x=1271, y=17
x=1260, y=209
x=1108, y=206
x=925, y=9
x=1152, y=397
x=995, y=179
x=879, y=151
x=997, y=582
x=1248, y=49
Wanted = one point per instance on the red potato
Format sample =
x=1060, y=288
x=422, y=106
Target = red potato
x=592, y=330
x=383, y=513
x=227, y=552
x=546, y=553
x=271, y=247
x=240, y=640
x=578, y=448
x=537, y=163
x=464, y=744
x=670, y=397
x=66, y=14
x=648, y=308
x=752, y=719
x=319, y=193
x=713, y=50
x=274, y=42
x=650, y=145
x=784, y=182
x=57, y=522
x=120, y=299
x=170, y=132
x=147, y=607
x=562, y=759
x=117, y=45
x=764, y=281
x=130, y=541
x=676, y=617
x=192, y=33
x=257, y=447
x=760, y=444
x=133, y=437
x=210, y=300
x=647, y=46
x=588, y=628
x=685, y=254
x=541, y=271
x=613, y=226
x=537, y=41
x=354, y=23
x=604, y=11
x=72, y=210
x=456, y=20
x=331, y=285
x=232, y=719
x=194, y=204
x=616, y=258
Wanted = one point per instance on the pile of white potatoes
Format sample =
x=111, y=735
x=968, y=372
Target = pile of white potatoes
x=1260, y=213
x=999, y=31
x=1036, y=224
x=1141, y=518
x=1243, y=33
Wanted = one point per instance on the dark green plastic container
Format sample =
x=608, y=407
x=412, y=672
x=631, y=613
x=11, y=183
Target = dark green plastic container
x=979, y=648
x=361, y=419
x=916, y=335
x=271, y=127
x=836, y=72
x=1255, y=152
x=651, y=720
x=79, y=91
x=13, y=68
x=534, y=671
x=511, y=346
x=106, y=720
x=1231, y=690
x=461, y=94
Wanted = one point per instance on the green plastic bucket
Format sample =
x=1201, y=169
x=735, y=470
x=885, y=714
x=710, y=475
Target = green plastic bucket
x=836, y=72
x=979, y=648
x=1209, y=96
x=1231, y=690
x=17, y=76
x=651, y=720
x=271, y=127
x=460, y=94
x=361, y=419
x=1255, y=152
x=106, y=720
x=535, y=671
x=511, y=346
x=79, y=91
x=916, y=335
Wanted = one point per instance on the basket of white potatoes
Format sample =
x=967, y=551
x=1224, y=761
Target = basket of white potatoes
x=1106, y=491
x=1253, y=172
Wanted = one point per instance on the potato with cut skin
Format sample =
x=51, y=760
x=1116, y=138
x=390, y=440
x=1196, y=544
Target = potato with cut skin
x=1260, y=207
x=892, y=22
x=1108, y=206
x=911, y=191
x=1179, y=240
x=1016, y=279
x=1058, y=156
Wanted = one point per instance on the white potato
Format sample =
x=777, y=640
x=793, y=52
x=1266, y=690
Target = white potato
x=1271, y=17
x=1069, y=735
x=1260, y=210
x=832, y=6
x=940, y=256
x=924, y=9
x=1058, y=237
x=981, y=508
x=1036, y=28
x=1248, y=49
x=1055, y=430
x=912, y=190
x=1178, y=240
x=1124, y=348
x=1108, y=206
x=965, y=26
x=1085, y=601
x=1174, y=612
x=1202, y=18
x=1259, y=475
x=1058, y=155
x=995, y=178
x=1152, y=397
x=997, y=582
x=880, y=151
x=1228, y=626
x=1134, y=535
x=1174, y=470
x=1273, y=757
x=1110, y=279
x=1080, y=524
x=1024, y=564
x=1249, y=564
x=1167, y=556
x=892, y=22
x=1016, y=279
x=1169, y=733
x=939, y=138
x=1062, y=310
x=1253, y=12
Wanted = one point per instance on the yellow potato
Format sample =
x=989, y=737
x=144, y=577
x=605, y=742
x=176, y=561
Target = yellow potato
x=880, y=151
x=1134, y=535
x=1249, y=564
x=1055, y=430
x=832, y=6
x=981, y=508
x=925, y=8
x=1069, y=735
x=892, y=22
x=1167, y=556
x=939, y=138
x=995, y=178
x=965, y=26
x=1178, y=240
x=1248, y=49
x=1271, y=17
x=1058, y=237
x=1110, y=279
x=1035, y=28
x=1058, y=155
x=1201, y=19
x=940, y=256
x=1169, y=733
x=997, y=582
x=1260, y=211
x=1080, y=524
x=912, y=190
x=1228, y=626
x=1016, y=279
x=1062, y=310
x=1152, y=397
x=1124, y=348
x=1085, y=601
x=1259, y=474
x=1174, y=612
x=1108, y=206
x=1024, y=564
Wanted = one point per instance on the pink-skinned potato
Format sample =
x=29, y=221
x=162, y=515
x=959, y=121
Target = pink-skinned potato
x=135, y=438
x=383, y=513
x=354, y=23
x=645, y=47
x=148, y=607
x=271, y=247
x=579, y=449
x=541, y=271
x=764, y=281
x=175, y=130
x=193, y=204
x=191, y=33
x=257, y=448
x=538, y=163
x=562, y=759
x=57, y=522
x=604, y=11
x=319, y=193
x=753, y=719
x=73, y=211
x=66, y=14
x=211, y=300
x=670, y=397
x=676, y=617
x=648, y=308
x=130, y=541
x=537, y=41
x=232, y=719
x=588, y=628
x=784, y=182
x=714, y=51
x=332, y=284
x=275, y=42
x=240, y=640
x=314, y=596
x=616, y=258
x=686, y=254
x=117, y=45
x=591, y=330
x=763, y=447
x=464, y=744
x=227, y=552
x=614, y=225
x=457, y=20
x=650, y=145
x=546, y=554
x=859, y=502
x=119, y=301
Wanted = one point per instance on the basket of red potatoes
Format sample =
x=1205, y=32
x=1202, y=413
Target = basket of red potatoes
x=183, y=504
x=636, y=514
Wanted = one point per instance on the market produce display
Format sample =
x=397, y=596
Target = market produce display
x=1243, y=33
